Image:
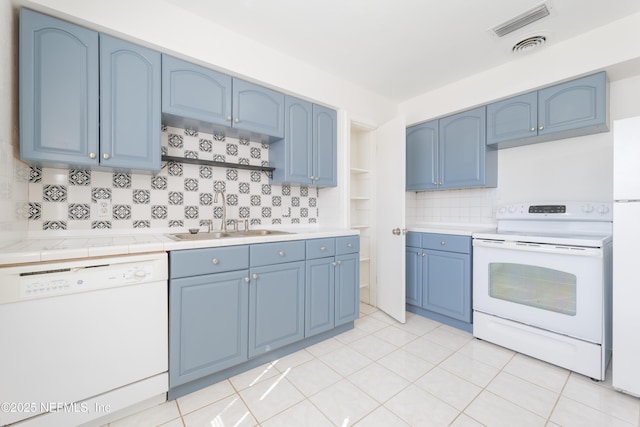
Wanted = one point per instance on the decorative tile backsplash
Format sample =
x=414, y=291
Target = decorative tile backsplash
x=181, y=195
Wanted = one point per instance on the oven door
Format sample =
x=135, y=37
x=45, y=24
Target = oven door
x=557, y=288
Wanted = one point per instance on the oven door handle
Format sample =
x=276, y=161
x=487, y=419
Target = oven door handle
x=538, y=247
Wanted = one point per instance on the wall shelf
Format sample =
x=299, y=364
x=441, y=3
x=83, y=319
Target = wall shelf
x=358, y=170
x=216, y=163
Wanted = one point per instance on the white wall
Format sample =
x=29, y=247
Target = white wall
x=571, y=169
x=13, y=173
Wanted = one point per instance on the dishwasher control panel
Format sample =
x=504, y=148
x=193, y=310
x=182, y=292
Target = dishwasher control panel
x=45, y=280
x=50, y=283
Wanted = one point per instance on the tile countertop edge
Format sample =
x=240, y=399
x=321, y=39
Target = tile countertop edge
x=452, y=228
x=77, y=247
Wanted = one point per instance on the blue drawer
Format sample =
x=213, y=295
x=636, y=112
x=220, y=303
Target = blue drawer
x=276, y=253
x=320, y=248
x=447, y=242
x=347, y=245
x=195, y=262
x=414, y=239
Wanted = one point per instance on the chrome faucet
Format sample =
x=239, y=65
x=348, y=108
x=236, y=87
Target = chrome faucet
x=223, y=226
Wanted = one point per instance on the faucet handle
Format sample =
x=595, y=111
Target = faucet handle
x=246, y=224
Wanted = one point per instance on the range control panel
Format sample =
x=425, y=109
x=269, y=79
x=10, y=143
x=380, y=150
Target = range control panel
x=50, y=283
x=590, y=211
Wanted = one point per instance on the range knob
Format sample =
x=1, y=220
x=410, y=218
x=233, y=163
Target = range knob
x=603, y=209
x=502, y=210
x=512, y=208
x=587, y=208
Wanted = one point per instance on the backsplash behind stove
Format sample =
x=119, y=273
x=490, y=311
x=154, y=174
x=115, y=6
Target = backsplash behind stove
x=179, y=196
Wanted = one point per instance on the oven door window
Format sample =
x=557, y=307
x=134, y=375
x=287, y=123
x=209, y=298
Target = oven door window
x=533, y=286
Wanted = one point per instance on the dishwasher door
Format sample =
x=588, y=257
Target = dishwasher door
x=73, y=331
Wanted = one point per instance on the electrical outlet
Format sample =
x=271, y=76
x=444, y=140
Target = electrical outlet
x=104, y=209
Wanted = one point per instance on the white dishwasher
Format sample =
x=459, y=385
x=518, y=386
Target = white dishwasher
x=82, y=340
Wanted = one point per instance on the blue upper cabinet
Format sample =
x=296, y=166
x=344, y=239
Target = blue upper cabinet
x=451, y=153
x=194, y=97
x=422, y=156
x=129, y=105
x=462, y=151
x=86, y=99
x=573, y=105
x=257, y=109
x=58, y=91
x=512, y=119
x=325, y=137
x=575, y=108
x=308, y=153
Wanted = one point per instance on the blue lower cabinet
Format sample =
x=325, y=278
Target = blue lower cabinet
x=208, y=329
x=347, y=288
x=438, y=278
x=319, y=296
x=276, y=306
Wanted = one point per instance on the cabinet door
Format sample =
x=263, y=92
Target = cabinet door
x=319, y=296
x=129, y=105
x=58, y=91
x=462, y=149
x=347, y=288
x=292, y=156
x=276, y=306
x=193, y=92
x=325, y=146
x=413, y=275
x=572, y=105
x=513, y=118
x=257, y=109
x=208, y=328
x=422, y=155
x=447, y=284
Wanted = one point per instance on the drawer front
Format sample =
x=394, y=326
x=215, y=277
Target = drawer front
x=276, y=253
x=414, y=239
x=320, y=248
x=447, y=242
x=347, y=245
x=194, y=262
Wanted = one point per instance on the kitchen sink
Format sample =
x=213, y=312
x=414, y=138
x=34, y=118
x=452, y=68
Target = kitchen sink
x=221, y=235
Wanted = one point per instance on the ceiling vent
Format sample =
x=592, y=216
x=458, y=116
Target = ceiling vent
x=529, y=43
x=521, y=20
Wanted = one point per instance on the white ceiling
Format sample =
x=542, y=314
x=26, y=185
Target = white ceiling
x=403, y=48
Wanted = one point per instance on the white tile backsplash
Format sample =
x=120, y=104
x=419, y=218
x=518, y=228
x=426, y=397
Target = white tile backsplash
x=464, y=206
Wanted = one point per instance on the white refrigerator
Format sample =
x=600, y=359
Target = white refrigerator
x=626, y=256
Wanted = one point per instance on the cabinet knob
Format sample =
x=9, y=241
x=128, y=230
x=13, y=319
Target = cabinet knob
x=339, y=262
x=424, y=254
x=236, y=120
x=541, y=127
x=228, y=118
x=418, y=253
x=396, y=232
x=532, y=129
x=322, y=248
x=334, y=264
x=215, y=261
x=92, y=155
x=106, y=156
x=442, y=242
x=246, y=279
x=349, y=245
x=255, y=276
x=281, y=253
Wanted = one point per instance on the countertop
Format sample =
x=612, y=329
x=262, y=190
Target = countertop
x=63, y=247
x=451, y=228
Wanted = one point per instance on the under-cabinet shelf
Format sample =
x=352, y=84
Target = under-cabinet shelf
x=359, y=171
x=360, y=198
x=360, y=226
x=365, y=259
x=364, y=285
x=216, y=163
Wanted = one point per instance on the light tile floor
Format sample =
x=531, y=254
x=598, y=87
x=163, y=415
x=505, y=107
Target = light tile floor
x=383, y=373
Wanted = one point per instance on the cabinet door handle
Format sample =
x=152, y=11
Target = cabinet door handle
x=255, y=276
x=339, y=262
x=541, y=127
x=322, y=248
x=237, y=120
x=215, y=261
x=418, y=253
x=396, y=232
x=92, y=155
x=349, y=245
x=532, y=129
x=281, y=253
x=424, y=254
x=246, y=279
x=228, y=118
x=334, y=264
x=442, y=243
x=105, y=156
